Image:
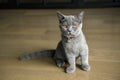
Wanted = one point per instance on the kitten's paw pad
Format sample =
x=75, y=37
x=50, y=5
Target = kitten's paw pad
x=85, y=67
x=70, y=69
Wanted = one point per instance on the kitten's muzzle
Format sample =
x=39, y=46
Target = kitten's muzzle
x=69, y=30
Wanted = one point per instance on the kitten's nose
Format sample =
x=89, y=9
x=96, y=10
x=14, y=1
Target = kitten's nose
x=68, y=30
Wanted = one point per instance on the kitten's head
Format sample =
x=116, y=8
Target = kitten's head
x=70, y=25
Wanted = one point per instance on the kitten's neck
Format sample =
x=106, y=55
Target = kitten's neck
x=70, y=39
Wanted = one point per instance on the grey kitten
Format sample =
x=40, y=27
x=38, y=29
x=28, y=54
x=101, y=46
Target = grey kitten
x=71, y=46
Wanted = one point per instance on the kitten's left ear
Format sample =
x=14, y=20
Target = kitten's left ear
x=60, y=16
x=80, y=16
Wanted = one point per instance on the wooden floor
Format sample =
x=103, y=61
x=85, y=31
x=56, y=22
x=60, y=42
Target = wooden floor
x=25, y=31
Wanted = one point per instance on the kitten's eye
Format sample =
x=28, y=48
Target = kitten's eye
x=74, y=26
x=65, y=26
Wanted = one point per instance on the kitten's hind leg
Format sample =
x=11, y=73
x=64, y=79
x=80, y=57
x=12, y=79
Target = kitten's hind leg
x=60, y=62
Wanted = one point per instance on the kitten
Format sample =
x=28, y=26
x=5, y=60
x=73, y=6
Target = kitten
x=71, y=46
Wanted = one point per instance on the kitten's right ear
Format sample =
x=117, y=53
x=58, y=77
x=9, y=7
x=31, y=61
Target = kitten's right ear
x=80, y=16
x=60, y=16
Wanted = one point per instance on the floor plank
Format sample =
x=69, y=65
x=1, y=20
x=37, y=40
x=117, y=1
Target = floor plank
x=24, y=31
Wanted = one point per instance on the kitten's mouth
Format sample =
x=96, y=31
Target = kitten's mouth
x=70, y=37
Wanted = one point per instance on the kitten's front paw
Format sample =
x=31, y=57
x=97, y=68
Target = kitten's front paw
x=85, y=67
x=70, y=69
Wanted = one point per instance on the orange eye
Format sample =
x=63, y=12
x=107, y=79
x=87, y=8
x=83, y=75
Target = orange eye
x=65, y=26
x=74, y=26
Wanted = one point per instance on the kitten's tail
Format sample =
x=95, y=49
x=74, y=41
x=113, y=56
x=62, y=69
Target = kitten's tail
x=46, y=53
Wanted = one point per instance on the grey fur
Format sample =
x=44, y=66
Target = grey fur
x=41, y=54
x=71, y=46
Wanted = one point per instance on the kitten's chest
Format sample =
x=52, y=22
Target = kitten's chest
x=72, y=47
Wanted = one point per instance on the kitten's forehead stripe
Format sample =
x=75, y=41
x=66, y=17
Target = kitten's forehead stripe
x=70, y=20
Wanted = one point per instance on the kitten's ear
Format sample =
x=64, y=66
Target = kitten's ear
x=80, y=16
x=60, y=16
